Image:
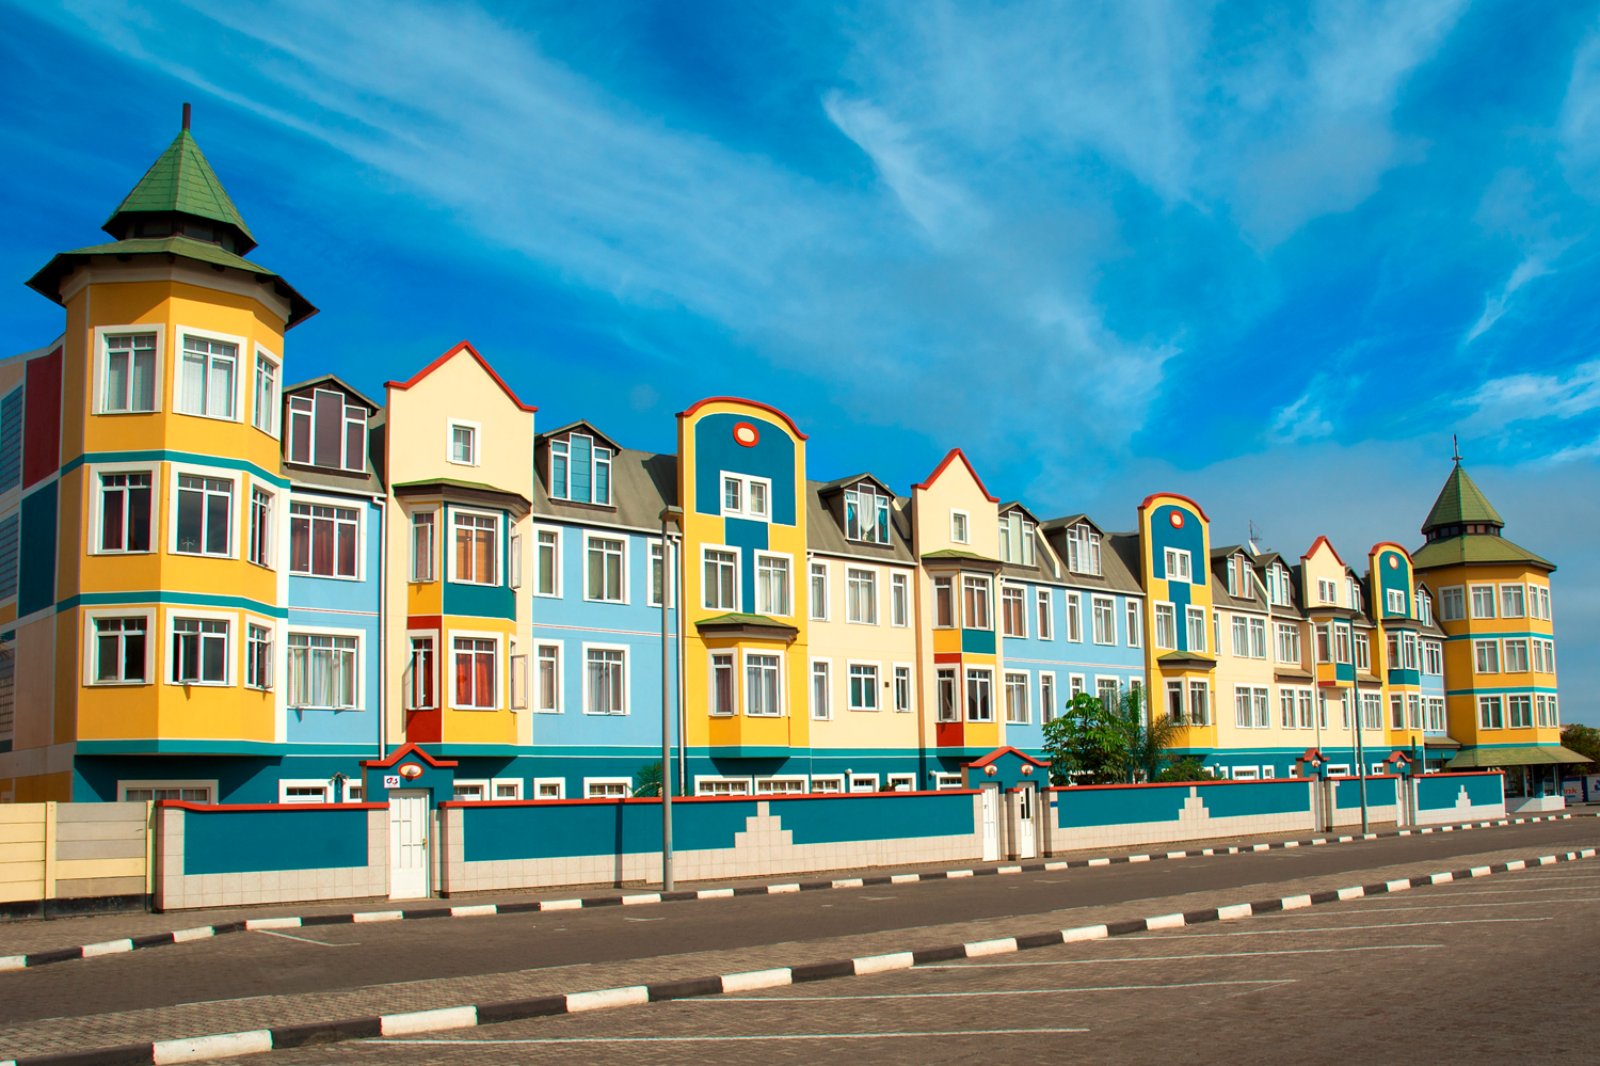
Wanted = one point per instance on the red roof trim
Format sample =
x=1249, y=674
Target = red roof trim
x=952, y=456
x=1000, y=753
x=230, y=808
x=1388, y=544
x=767, y=407
x=1324, y=540
x=467, y=347
x=1176, y=496
x=410, y=749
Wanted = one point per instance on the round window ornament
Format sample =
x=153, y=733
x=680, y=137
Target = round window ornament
x=1176, y=518
x=1394, y=562
x=990, y=770
x=410, y=771
x=1027, y=771
x=746, y=435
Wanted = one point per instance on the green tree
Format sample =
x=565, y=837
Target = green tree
x=1188, y=768
x=1092, y=744
x=647, y=782
x=1148, y=740
x=1585, y=740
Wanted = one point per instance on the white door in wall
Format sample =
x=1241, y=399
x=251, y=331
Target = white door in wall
x=991, y=823
x=1026, y=800
x=408, y=845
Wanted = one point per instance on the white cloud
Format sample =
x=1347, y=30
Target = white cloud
x=1579, y=122
x=1528, y=397
x=1304, y=419
x=1497, y=303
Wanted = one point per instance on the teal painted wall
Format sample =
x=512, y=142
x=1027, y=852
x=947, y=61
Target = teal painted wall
x=1258, y=797
x=234, y=841
x=1440, y=791
x=1380, y=792
x=1080, y=807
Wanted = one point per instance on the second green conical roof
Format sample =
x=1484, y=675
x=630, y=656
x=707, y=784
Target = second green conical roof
x=1461, y=502
x=180, y=182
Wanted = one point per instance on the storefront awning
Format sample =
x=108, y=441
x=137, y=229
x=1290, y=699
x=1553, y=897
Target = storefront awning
x=1527, y=755
x=1441, y=742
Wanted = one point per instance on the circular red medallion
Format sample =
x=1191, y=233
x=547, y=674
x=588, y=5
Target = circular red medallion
x=745, y=434
x=1176, y=518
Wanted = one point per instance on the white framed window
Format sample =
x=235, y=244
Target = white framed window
x=327, y=430
x=1083, y=549
x=662, y=573
x=547, y=676
x=1044, y=616
x=1452, y=603
x=1178, y=565
x=980, y=694
x=947, y=691
x=763, y=684
x=975, y=589
x=772, y=584
x=150, y=791
x=130, y=369
x=1013, y=611
x=1520, y=708
x=944, y=603
x=1424, y=605
x=1017, y=539
x=1107, y=690
x=1513, y=601
x=960, y=527
x=324, y=539
x=354, y=791
x=863, y=782
x=1394, y=601
x=475, y=554
x=580, y=470
x=943, y=781
x=605, y=573
x=121, y=647
x=462, y=443
x=721, y=578
x=1135, y=624
x=902, y=782
x=1075, y=617
x=471, y=790
x=425, y=546
x=549, y=788
x=1199, y=703
x=324, y=669
x=605, y=679
x=819, y=592
x=866, y=514
x=1342, y=643
x=821, y=689
x=259, y=664
x=1076, y=686
x=264, y=406
x=1104, y=617
x=208, y=376
x=202, y=519
x=475, y=671
x=1197, y=628
x=1516, y=656
x=902, y=688
x=261, y=524
x=745, y=496
x=547, y=561
x=1246, y=773
x=1017, y=710
x=707, y=785
x=1486, y=656
x=861, y=595
x=305, y=790
x=724, y=684
x=900, y=600
x=863, y=686
x=1327, y=591
x=125, y=517
x=1483, y=601
x=505, y=788
x=422, y=672
x=1432, y=658
x=1047, y=697
x=608, y=788
x=780, y=786
x=1287, y=642
x=829, y=784
x=1491, y=712
x=1251, y=707
x=200, y=649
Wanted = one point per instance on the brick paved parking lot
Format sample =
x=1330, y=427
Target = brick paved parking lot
x=1500, y=969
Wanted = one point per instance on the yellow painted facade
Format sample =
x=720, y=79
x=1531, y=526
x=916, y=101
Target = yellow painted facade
x=1168, y=521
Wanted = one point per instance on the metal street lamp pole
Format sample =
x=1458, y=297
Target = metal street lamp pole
x=1361, y=759
x=671, y=518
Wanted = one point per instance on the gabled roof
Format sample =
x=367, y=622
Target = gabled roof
x=839, y=485
x=1461, y=502
x=952, y=456
x=1325, y=541
x=180, y=181
x=323, y=380
x=1017, y=505
x=825, y=531
x=642, y=484
x=464, y=346
x=1068, y=521
x=584, y=425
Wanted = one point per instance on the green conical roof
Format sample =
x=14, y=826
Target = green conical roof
x=180, y=182
x=1461, y=502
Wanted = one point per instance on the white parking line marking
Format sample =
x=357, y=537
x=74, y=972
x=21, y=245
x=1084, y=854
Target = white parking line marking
x=1336, y=928
x=737, y=1039
x=1464, y=906
x=1177, y=958
x=302, y=939
x=997, y=992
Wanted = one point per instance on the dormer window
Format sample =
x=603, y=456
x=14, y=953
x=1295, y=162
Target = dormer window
x=1016, y=538
x=1424, y=607
x=1326, y=591
x=327, y=431
x=866, y=514
x=1355, y=595
x=580, y=470
x=1083, y=549
x=1247, y=577
x=1278, y=585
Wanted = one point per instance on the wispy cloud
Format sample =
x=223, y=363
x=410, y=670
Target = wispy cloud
x=1497, y=303
x=1526, y=397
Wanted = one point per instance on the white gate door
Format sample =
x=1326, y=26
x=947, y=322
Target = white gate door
x=408, y=845
x=1027, y=847
x=991, y=824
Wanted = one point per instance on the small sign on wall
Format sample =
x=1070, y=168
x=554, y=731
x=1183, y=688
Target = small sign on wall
x=391, y=780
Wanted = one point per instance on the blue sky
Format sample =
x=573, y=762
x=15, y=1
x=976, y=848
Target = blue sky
x=1269, y=256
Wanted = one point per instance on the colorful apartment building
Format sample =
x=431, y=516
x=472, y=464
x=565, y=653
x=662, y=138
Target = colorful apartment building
x=217, y=586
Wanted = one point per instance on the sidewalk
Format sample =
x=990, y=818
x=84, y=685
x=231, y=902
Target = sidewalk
x=300, y=1017
x=34, y=937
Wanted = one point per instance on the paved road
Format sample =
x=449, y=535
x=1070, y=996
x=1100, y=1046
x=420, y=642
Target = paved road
x=1498, y=970
x=352, y=957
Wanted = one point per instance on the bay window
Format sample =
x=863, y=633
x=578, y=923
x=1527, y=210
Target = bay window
x=476, y=673
x=477, y=548
x=207, y=376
